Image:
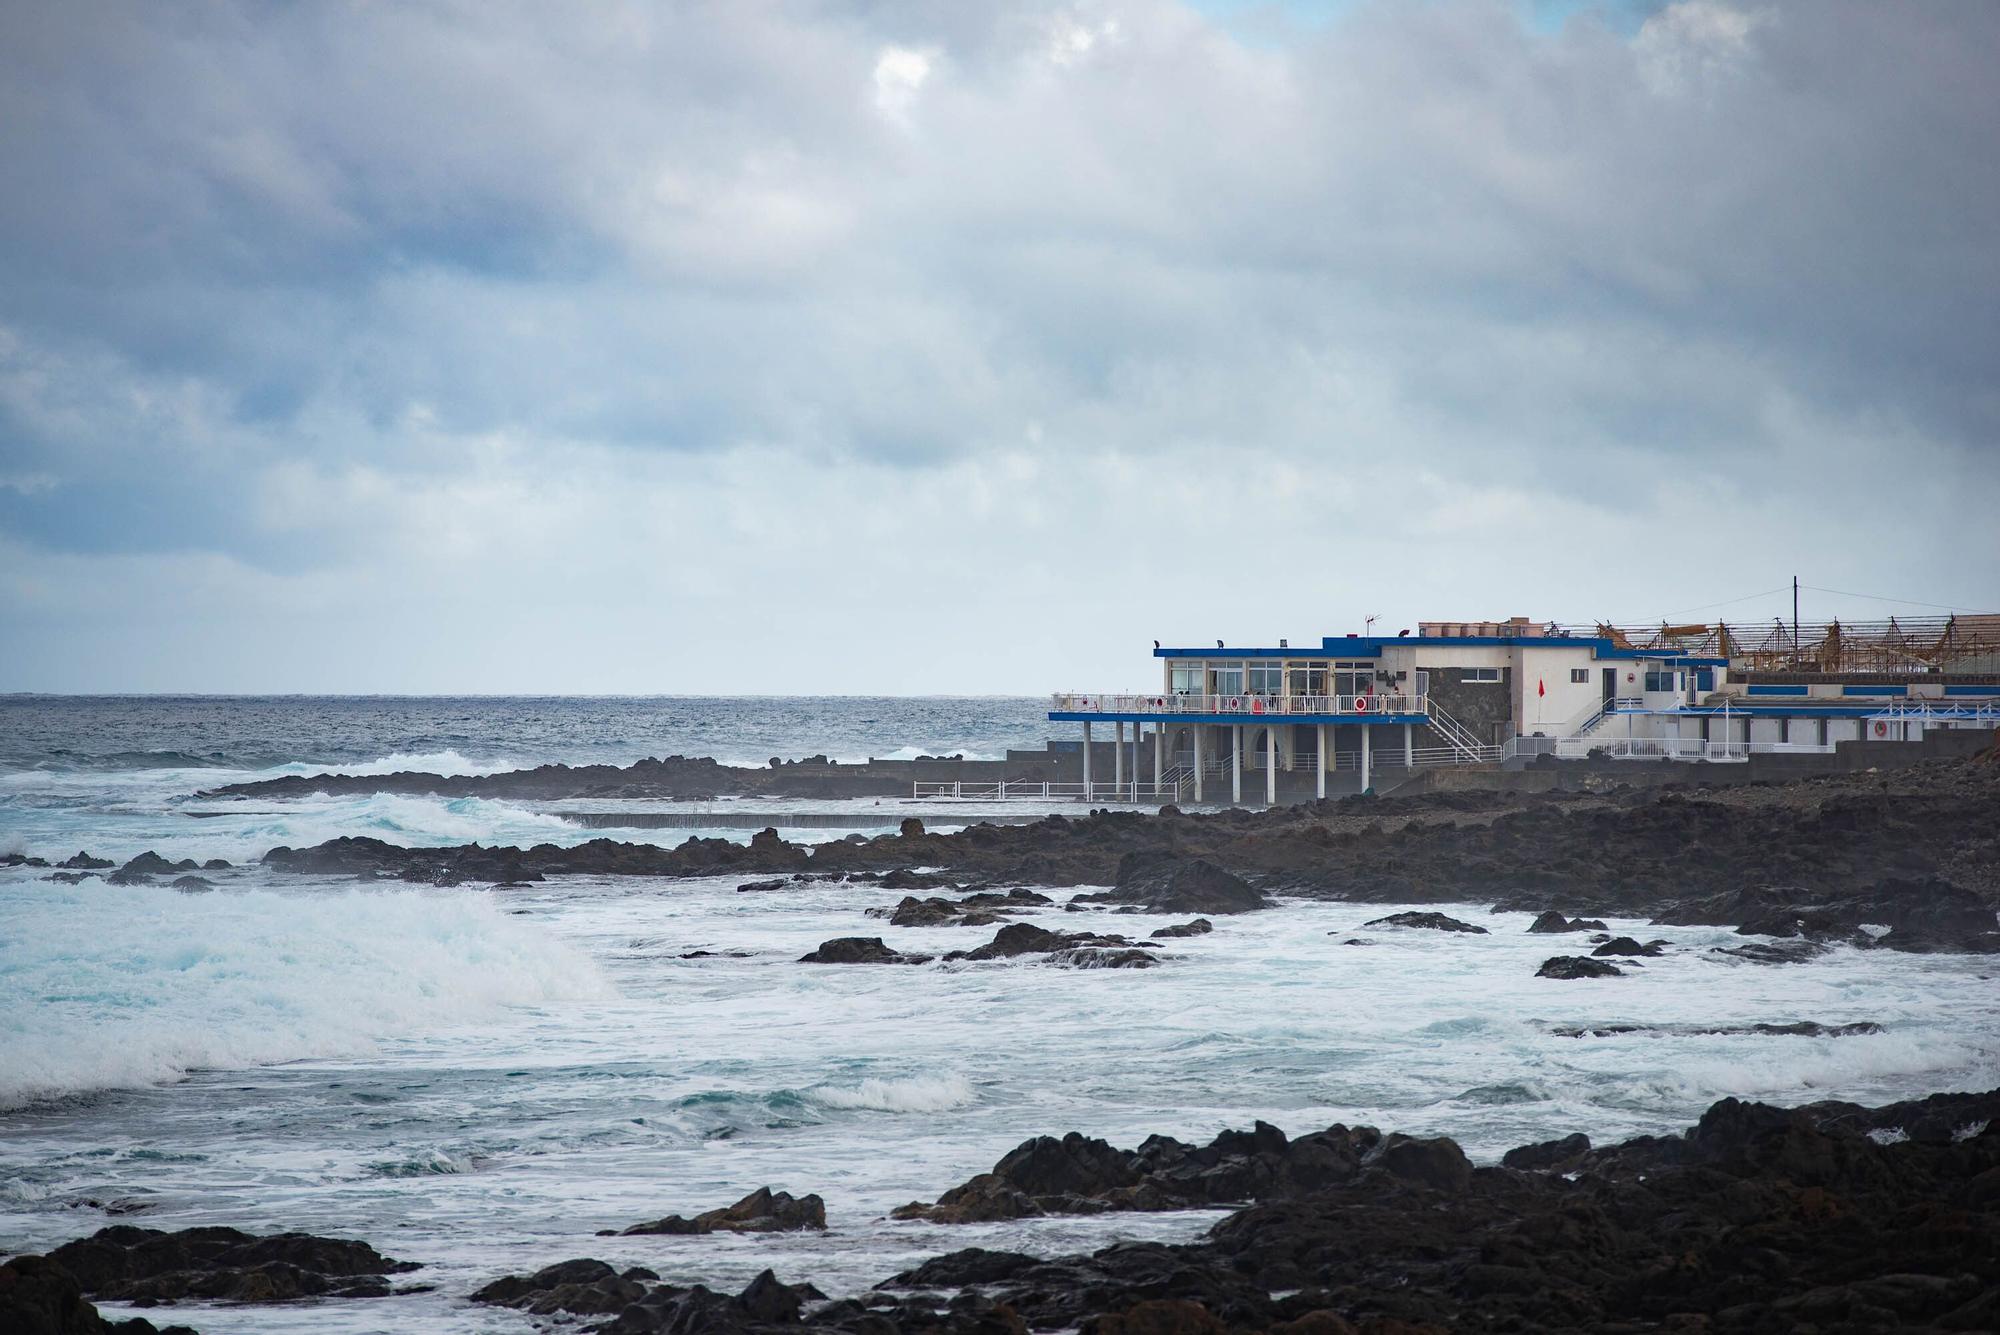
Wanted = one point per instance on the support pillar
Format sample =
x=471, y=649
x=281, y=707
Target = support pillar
x=1236, y=763
x=1365, y=730
x=1086, y=760
x=1270, y=766
x=1159, y=756
x=1320, y=730
x=1200, y=783
x=1118, y=761
x=1409, y=747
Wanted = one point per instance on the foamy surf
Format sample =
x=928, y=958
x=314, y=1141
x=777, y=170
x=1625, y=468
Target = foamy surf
x=104, y=987
x=923, y=1093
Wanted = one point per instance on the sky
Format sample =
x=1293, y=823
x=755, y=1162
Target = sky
x=889, y=347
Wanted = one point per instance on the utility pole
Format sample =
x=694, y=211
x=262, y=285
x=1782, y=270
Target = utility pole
x=1795, y=623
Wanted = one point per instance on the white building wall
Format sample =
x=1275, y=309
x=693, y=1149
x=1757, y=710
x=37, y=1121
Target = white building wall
x=1566, y=703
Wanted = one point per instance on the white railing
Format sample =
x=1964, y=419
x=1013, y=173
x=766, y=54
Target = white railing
x=1654, y=748
x=1026, y=790
x=1282, y=706
x=1461, y=739
x=1927, y=710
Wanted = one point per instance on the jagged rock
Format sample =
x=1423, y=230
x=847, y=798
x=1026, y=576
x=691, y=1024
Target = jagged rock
x=1625, y=945
x=73, y=877
x=762, y=1211
x=759, y=887
x=1024, y=938
x=1081, y=1175
x=1577, y=966
x=39, y=1296
x=85, y=862
x=583, y=1287
x=1774, y=952
x=16, y=859
x=1547, y=1155
x=1164, y=882
x=860, y=950
x=1199, y=927
x=955, y=1270
x=1552, y=922
x=150, y=863
x=193, y=884
x=129, y=1264
x=1435, y=922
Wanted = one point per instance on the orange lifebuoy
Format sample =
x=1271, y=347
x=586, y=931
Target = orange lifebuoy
x=1361, y=704
x=1881, y=728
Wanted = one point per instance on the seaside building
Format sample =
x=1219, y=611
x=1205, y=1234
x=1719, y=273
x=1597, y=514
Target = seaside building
x=1231, y=719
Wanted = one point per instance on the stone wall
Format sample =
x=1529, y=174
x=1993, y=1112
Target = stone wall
x=1484, y=708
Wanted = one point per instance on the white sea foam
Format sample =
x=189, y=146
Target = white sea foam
x=106, y=987
x=922, y=1093
x=449, y=763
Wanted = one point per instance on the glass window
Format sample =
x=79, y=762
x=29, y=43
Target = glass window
x=1267, y=679
x=1186, y=678
x=1228, y=678
x=1482, y=674
x=1308, y=678
x=1579, y=676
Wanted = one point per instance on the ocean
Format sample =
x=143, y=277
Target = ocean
x=480, y=1079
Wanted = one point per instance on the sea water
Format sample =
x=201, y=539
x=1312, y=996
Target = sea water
x=481, y=1079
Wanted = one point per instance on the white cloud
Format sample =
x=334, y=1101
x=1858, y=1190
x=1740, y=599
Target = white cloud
x=900, y=75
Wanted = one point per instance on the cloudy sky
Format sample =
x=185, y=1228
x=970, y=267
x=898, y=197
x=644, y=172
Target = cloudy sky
x=936, y=347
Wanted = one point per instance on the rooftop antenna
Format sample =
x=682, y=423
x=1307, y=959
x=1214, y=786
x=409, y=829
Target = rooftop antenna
x=1368, y=624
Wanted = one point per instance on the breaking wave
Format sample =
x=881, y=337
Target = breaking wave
x=922, y=1093
x=103, y=987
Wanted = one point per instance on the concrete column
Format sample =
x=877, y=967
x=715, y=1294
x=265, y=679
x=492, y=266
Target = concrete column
x=1365, y=730
x=1270, y=766
x=1118, y=760
x=1159, y=755
x=1200, y=784
x=1236, y=763
x=1086, y=760
x=1409, y=747
x=1321, y=731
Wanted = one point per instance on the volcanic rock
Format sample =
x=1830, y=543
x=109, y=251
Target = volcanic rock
x=1436, y=922
x=1552, y=921
x=859, y=950
x=1024, y=938
x=1547, y=1155
x=40, y=1297
x=85, y=862
x=1081, y=1175
x=1577, y=966
x=583, y=1287
x=1199, y=927
x=1164, y=882
x=1625, y=945
x=129, y=1264
x=762, y=1211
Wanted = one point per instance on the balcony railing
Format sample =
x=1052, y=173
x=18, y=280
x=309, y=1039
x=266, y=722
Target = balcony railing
x=1321, y=707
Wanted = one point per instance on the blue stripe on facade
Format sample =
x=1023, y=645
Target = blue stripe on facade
x=1305, y=720
x=1778, y=690
x=1973, y=690
x=1875, y=690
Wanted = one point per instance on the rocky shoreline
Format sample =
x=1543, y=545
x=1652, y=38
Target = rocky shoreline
x=1826, y=1217
x=1908, y=859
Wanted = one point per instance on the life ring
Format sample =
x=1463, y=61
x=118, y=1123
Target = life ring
x=1881, y=728
x=1361, y=704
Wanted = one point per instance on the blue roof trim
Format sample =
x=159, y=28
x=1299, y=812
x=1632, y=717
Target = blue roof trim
x=1306, y=720
x=1371, y=646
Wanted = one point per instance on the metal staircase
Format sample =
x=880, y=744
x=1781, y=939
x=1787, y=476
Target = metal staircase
x=1465, y=745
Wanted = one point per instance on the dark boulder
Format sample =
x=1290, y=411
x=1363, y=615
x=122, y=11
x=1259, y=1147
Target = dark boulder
x=1774, y=952
x=1198, y=927
x=131, y=1264
x=955, y=1270
x=1024, y=938
x=762, y=1211
x=859, y=950
x=85, y=862
x=193, y=884
x=1165, y=882
x=1577, y=966
x=1434, y=922
x=760, y=887
x=583, y=1287
x=1547, y=1155
x=1552, y=922
x=1625, y=945
x=38, y=1296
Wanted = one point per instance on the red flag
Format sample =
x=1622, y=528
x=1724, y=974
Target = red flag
x=1539, y=688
